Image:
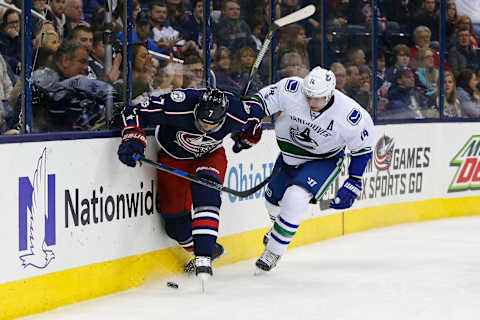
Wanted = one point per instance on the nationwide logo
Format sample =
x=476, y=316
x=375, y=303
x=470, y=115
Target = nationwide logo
x=36, y=216
x=468, y=162
x=384, y=153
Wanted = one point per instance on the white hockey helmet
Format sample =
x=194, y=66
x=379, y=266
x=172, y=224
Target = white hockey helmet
x=319, y=83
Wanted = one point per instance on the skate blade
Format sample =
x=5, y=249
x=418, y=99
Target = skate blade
x=204, y=278
x=259, y=272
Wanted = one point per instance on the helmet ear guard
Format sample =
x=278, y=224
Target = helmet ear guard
x=319, y=83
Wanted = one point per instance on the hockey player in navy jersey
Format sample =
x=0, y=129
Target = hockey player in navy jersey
x=190, y=126
x=316, y=123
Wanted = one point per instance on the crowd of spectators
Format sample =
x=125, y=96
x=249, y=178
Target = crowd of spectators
x=71, y=86
x=408, y=73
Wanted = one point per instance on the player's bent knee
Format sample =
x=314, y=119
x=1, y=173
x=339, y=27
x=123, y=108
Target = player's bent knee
x=178, y=227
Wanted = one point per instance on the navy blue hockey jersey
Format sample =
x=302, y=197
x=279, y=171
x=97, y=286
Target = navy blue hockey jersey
x=176, y=133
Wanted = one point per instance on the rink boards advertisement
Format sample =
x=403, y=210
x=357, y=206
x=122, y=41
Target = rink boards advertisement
x=71, y=205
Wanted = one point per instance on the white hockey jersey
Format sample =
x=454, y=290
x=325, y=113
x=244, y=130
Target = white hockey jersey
x=304, y=135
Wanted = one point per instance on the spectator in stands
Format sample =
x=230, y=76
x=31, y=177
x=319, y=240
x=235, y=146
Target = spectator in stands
x=73, y=102
x=465, y=21
x=427, y=16
x=426, y=71
x=47, y=39
x=223, y=71
x=231, y=31
x=44, y=58
x=193, y=72
x=118, y=13
x=470, y=8
x=56, y=13
x=6, y=87
x=163, y=33
x=353, y=80
x=451, y=18
x=3, y=9
x=293, y=38
x=400, y=11
x=340, y=75
x=176, y=10
x=143, y=71
x=356, y=57
x=468, y=94
x=364, y=93
x=84, y=35
x=97, y=59
x=191, y=26
x=400, y=58
x=168, y=78
x=74, y=11
x=292, y=65
x=421, y=39
x=451, y=105
x=258, y=31
x=241, y=65
x=89, y=7
x=142, y=33
x=10, y=42
x=403, y=102
x=463, y=55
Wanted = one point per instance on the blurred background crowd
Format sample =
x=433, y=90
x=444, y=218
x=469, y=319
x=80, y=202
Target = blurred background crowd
x=71, y=85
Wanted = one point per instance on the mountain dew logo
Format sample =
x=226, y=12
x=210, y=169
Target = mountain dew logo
x=468, y=162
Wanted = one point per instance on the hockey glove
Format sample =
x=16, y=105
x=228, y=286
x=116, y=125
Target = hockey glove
x=347, y=194
x=246, y=140
x=133, y=141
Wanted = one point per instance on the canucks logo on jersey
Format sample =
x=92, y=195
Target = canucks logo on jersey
x=302, y=138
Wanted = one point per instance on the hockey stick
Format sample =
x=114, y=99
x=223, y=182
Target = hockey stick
x=288, y=19
x=204, y=182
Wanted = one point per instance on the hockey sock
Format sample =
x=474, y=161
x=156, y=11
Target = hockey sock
x=205, y=230
x=293, y=207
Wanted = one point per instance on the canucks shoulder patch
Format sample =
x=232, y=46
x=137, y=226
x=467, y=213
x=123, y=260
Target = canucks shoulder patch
x=178, y=96
x=354, y=117
x=291, y=85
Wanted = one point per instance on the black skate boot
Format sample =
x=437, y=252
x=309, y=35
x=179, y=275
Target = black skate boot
x=267, y=261
x=218, y=252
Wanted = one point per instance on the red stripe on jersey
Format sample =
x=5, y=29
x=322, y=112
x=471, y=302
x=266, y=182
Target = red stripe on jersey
x=205, y=223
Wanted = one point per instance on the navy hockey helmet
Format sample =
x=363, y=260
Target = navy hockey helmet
x=211, y=107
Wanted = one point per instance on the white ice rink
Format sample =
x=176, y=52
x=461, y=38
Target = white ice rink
x=428, y=270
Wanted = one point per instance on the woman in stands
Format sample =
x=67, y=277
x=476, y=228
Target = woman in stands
x=468, y=94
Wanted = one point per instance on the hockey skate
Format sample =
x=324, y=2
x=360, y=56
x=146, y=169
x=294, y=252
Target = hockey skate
x=218, y=252
x=267, y=261
x=203, y=270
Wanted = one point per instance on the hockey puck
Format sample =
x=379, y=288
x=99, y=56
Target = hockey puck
x=172, y=285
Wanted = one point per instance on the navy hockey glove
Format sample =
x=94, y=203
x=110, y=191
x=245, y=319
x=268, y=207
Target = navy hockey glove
x=246, y=140
x=347, y=194
x=133, y=142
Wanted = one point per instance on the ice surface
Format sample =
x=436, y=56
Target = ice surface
x=428, y=270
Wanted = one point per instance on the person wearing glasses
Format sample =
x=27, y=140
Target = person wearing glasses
x=10, y=42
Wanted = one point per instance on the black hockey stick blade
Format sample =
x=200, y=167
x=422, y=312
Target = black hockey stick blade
x=204, y=182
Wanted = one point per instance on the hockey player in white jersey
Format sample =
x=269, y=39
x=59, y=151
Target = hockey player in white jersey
x=315, y=125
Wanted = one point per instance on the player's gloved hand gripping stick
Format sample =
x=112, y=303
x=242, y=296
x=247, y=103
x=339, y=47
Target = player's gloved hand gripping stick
x=203, y=181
